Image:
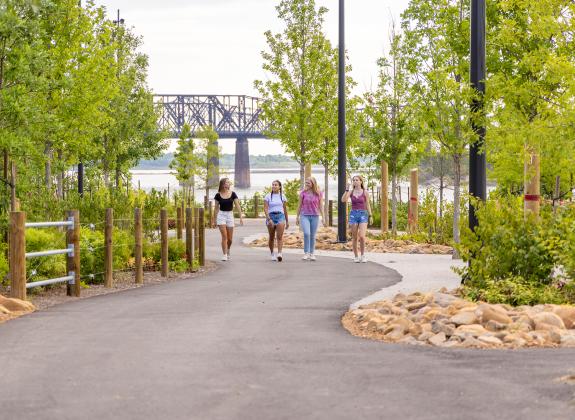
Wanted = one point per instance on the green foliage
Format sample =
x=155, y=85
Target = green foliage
x=42, y=268
x=512, y=259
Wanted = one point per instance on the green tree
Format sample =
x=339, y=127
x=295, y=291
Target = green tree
x=391, y=131
x=437, y=47
x=187, y=163
x=295, y=92
x=209, y=145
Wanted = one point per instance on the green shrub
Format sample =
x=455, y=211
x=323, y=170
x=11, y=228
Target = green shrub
x=513, y=259
x=41, y=268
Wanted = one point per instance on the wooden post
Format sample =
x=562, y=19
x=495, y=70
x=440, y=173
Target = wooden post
x=532, y=188
x=557, y=193
x=399, y=193
x=179, y=222
x=307, y=170
x=164, y=241
x=108, y=250
x=13, y=204
x=202, y=234
x=17, y=235
x=330, y=213
x=208, y=222
x=189, y=239
x=384, y=197
x=256, y=205
x=73, y=262
x=413, y=205
x=196, y=226
x=138, y=246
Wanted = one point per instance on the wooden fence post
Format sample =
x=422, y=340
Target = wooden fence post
x=202, y=236
x=532, y=188
x=413, y=204
x=164, y=241
x=138, y=245
x=196, y=226
x=307, y=170
x=179, y=223
x=17, y=235
x=330, y=213
x=108, y=250
x=189, y=239
x=384, y=198
x=73, y=261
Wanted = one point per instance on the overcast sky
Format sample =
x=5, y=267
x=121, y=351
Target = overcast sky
x=213, y=46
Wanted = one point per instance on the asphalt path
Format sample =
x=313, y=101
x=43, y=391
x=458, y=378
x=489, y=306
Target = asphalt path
x=258, y=340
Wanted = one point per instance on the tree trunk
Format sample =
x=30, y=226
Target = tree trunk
x=48, y=166
x=393, y=205
x=60, y=180
x=302, y=175
x=326, y=195
x=118, y=175
x=456, y=196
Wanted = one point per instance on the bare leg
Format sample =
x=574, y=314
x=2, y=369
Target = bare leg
x=280, y=236
x=354, y=238
x=271, y=231
x=361, y=234
x=224, y=234
x=230, y=231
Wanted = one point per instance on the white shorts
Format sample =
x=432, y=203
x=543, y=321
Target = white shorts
x=225, y=218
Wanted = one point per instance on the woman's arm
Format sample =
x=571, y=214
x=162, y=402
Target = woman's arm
x=321, y=210
x=346, y=194
x=298, y=211
x=239, y=208
x=286, y=214
x=216, y=211
x=267, y=211
x=368, y=204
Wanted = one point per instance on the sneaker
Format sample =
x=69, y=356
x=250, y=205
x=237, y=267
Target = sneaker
x=311, y=257
x=305, y=257
x=224, y=257
x=356, y=259
x=363, y=259
x=280, y=257
x=274, y=258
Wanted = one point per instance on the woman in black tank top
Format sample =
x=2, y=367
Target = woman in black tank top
x=225, y=199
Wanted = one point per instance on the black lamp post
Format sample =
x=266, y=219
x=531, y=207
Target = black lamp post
x=341, y=158
x=477, y=162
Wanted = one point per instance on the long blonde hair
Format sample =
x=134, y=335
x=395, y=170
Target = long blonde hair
x=314, y=187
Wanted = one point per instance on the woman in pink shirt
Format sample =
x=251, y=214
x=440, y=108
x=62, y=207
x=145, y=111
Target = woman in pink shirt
x=309, y=209
x=359, y=215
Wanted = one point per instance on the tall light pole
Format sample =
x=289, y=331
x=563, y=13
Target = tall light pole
x=341, y=158
x=477, y=174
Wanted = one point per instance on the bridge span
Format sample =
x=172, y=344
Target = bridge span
x=232, y=116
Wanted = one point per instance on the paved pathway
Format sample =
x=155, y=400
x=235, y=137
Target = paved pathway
x=258, y=340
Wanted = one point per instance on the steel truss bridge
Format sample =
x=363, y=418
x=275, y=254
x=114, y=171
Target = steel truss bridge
x=232, y=116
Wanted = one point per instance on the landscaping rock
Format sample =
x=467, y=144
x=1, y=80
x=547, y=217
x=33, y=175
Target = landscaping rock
x=445, y=320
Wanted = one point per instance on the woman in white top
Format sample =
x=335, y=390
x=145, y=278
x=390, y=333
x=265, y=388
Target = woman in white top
x=275, y=208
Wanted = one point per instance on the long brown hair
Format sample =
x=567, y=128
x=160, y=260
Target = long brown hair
x=314, y=187
x=360, y=180
x=272, y=191
x=222, y=183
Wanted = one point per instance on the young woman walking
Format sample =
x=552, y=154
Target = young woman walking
x=275, y=208
x=225, y=199
x=309, y=209
x=359, y=215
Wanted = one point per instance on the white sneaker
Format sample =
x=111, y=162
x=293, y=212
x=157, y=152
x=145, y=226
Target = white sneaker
x=224, y=257
x=280, y=258
x=356, y=259
x=363, y=259
x=305, y=257
x=274, y=258
x=311, y=257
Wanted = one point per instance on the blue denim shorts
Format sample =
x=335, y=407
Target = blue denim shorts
x=358, y=216
x=277, y=217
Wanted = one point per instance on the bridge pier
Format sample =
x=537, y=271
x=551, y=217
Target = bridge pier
x=242, y=163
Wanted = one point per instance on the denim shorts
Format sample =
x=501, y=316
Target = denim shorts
x=277, y=217
x=358, y=216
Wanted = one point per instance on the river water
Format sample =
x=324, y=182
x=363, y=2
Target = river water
x=260, y=178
